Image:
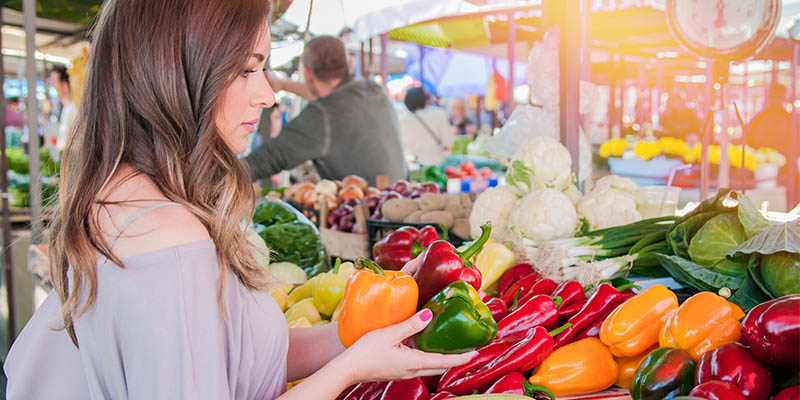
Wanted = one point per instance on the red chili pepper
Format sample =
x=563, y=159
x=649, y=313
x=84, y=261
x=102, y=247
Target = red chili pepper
x=443, y=265
x=498, y=307
x=512, y=275
x=772, y=330
x=515, y=383
x=366, y=391
x=605, y=298
x=571, y=291
x=485, y=354
x=594, y=328
x=717, y=390
x=520, y=288
x=790, y=393
x=431, y=382
x=544, y=286
x=566, y=312
x=524, y=355
x=441, y=396
x=409, y=389
x=540, y=310
x=735, y=364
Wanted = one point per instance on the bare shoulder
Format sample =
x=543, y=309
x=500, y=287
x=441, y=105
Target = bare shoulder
x=142, y=220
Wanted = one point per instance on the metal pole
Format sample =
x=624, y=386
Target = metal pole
x=8, y=263
x=612, y=95
x=569, y=85
x=708, y=131
x=29, y=12
x=363, y=71
x=384, y=58
x=794, y=169
x=422, y=65
x=586, y=49
x=512, y=40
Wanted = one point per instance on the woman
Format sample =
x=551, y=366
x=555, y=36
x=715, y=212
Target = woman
x=157, y=293
x=425, y=131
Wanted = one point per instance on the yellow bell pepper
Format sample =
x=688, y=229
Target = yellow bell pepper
x=492, y=261
x=301, y=322
x=301, y=292
x=702, y=323
x=305, y=308
x=346, y=269
x=634, y=325
x=585, y=366
x=279, y=295
x=327, y=289
x=627, y=368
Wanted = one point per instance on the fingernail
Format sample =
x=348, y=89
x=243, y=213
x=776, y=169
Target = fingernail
x=426, y=315
x=474, y=356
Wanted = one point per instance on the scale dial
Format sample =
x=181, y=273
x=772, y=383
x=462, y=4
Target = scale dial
x=723, y=29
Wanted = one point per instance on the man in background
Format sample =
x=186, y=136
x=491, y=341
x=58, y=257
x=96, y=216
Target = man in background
x=349, y=126
x=69, y=112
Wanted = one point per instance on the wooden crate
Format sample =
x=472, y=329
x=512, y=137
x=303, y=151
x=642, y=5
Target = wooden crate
x=345, y=245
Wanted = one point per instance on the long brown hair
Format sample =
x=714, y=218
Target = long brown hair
x=156, y=74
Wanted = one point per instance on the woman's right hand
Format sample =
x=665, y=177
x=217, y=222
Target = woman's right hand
x=382, y=355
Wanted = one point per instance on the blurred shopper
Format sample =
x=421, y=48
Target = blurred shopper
x=349, y=127
x=678, y=120
x=13, y=114
x=69, y=112
x=772, y=127
x=459, y=119
x=426, y=131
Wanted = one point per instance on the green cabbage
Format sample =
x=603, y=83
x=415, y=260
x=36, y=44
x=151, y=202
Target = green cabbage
x=781, y=273
x=717, y=237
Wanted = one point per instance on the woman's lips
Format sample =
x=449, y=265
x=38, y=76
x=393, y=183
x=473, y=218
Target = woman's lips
x=250, y=126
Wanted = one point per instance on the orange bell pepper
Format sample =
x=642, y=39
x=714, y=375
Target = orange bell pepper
x=702, y=323
x=585, y=366
x=374, y=299
x=627, y=368
x=634, y=325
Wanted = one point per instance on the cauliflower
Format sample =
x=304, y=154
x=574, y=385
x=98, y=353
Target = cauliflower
x=544, y=215
x=546, y=160
x=624, y=185
x=573, y=193
x=493, y=205
x=605, y=207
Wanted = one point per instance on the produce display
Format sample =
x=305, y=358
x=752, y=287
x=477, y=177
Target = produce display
x=467, y=170
x=19, y=178
x=331, y=193
x=430, y=207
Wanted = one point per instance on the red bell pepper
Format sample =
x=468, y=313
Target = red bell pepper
x=409, y=389
x=512, y=275
x=524, y=355
x=772, y=330
x=733, y=363
x=431, y=382
x=717, y=390
x=515, y=383
x=604, y=299
x=485, y=354
x=540, y=310
x=441, y=396
x=543, y=286
x=566, y=312
x=570, y=291
x=498, y=307
x=401, y=246
x=443, y=265
x=790, y=393
x=520, y=288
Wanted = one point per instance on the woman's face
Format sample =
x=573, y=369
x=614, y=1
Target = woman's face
x=243, y=100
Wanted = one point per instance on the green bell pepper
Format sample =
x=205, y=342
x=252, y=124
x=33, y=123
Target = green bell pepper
x=665, y=373
x=461, y=322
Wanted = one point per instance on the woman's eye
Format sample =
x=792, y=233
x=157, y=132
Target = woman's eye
x=247, y=72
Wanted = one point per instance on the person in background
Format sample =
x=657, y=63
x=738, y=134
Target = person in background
x=69, y=112
x=459, y=119
x=269, y=127
x=349, y=126
x=426, y=131
x=13, y=115
x=678, y=120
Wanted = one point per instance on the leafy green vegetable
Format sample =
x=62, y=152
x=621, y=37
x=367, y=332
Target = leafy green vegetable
x=748, y=295
x=754, y=273
x=679, y=238
x=779, y=238
x=752, y=220
x=290, y=236
x=460, y=143
x=730, y=267
x=696, y=276
x=715, y=238
x=781, y=273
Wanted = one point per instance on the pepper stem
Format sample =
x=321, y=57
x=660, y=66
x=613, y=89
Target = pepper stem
x=557, y=301
x=516, y=300
x=416, y=248
x=476, y=246
x=366, y=263
x=530, y=389
x=443, y=227
x=629, y=286
x=560, y=329
x=336, y=265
